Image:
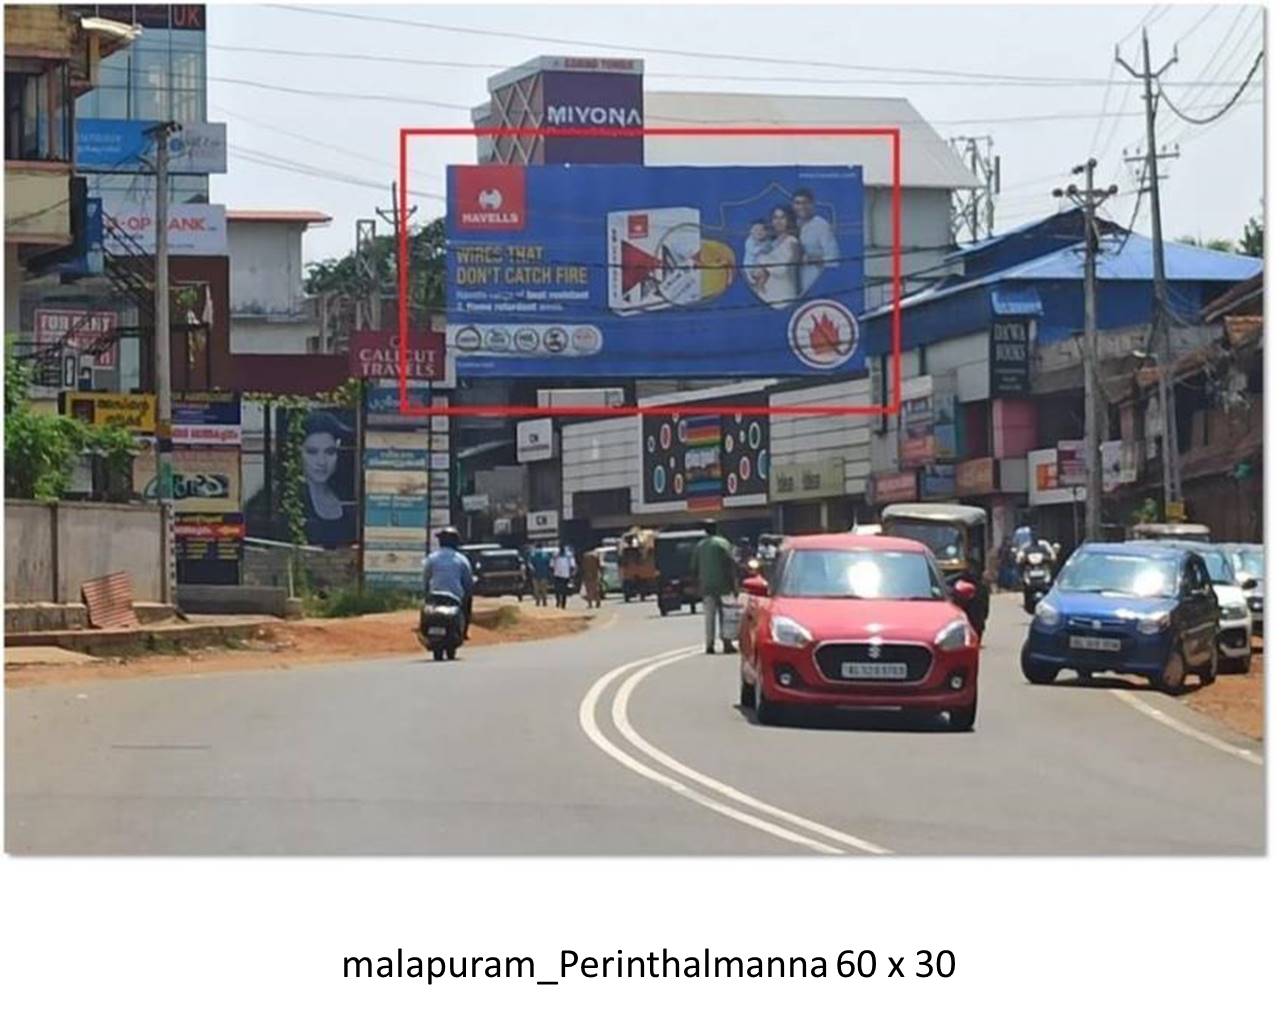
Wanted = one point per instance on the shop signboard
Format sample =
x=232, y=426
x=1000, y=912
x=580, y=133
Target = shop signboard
x=195, y=230
x=542, y=524
x=593, y=92
x=938, y=481
x=209, y=547
x=895, y=487
x=475, y=503
x=135, y=412
x=535, y=440
x=726, y=456
x=1071, y=462
x=376, y=355
x=819, y=479
x=626, y=270
x=916, y=445
x=206, y=479
x=1120, y=464
x=976, y=477
x=79, y=327
x=1043, y=488
x=128, y=146
x=395, y=450
x=946, y=436
x=207, y=418
x=1010, y=351
x=383, y=401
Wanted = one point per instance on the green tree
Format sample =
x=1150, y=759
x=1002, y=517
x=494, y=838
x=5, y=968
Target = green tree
x=1222, y=245
x=41, y=448
x=1252, y=237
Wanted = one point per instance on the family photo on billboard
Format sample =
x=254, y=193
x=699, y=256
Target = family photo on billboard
x=787, y=251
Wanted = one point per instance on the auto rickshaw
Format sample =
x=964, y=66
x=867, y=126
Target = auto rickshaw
x=1170, y=532
x=676, y=584
x=637, y=552
x=957, y=536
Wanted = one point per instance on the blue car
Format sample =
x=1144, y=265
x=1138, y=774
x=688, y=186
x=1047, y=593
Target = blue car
x=1138, y=608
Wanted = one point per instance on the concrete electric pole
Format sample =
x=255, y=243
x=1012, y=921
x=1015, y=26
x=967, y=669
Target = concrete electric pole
x=1089, y=200
x=1172, y=481
x=161, y=348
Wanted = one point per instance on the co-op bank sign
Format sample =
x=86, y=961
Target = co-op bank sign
x=625, y=270
x=195, y=230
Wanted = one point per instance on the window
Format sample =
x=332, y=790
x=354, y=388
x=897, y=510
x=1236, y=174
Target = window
x=37, y=115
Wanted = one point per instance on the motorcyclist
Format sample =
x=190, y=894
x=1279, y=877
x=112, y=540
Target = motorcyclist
x=447, y=571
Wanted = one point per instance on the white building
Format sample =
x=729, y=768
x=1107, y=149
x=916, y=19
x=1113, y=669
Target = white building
x=271, y=313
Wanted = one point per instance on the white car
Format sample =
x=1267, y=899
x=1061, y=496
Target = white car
x=1235, y=622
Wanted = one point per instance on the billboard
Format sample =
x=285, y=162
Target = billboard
x=195, y=230
x=327, y=474
x=207, y=418
x=582, y=93
x=621, y=270
x=135, y=412
x=81, y=328
x=703, y=460
x=376, y=355
x=125, y=146
x=206, y=480
x=917, y=444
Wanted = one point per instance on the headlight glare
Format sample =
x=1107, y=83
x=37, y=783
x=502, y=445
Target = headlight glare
x=953, y=636
x=1153, y=623
x=1046, y=613
x=1234, y=612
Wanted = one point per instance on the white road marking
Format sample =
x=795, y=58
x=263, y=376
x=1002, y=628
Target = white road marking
x=1185, y=729
x=620, y=717
x=589, y=726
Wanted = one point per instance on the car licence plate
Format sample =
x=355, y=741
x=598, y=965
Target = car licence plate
x=873, y=670
x=1095, y=644
x=437, y=631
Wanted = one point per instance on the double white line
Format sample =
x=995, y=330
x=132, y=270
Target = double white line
x=718, y=797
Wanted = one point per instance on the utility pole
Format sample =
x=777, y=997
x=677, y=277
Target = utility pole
x=1089, y=200
x=366, y=308
x=161, y=349
x=1171, y=480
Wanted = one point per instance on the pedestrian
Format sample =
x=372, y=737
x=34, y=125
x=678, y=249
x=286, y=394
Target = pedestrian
x=541, y=571
x=591, y=569
x=716, y=572
x=564, y=568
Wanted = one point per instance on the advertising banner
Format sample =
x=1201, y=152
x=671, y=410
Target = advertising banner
x=1120, y=464
x=542, y=524
x=946, y=435
x=375, y=355
x=593, y=96
x=396, y=451
x=327, y=473
x=725, y=455
x=195, y=230
x=916, y=444
x=1043, y=488
x=976, y=477
x=809, y=480
x=1010, y=350
x=207, y=418
x=383, y=406
x=206, y=480
x=895, y=487
x=569, y=271
x=126, y=146
x=135, y=412
x=78, y=327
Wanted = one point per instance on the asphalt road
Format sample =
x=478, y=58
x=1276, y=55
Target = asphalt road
x=617, y=741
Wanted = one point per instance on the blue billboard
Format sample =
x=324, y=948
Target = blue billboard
x=633, y=271
x=126, y=146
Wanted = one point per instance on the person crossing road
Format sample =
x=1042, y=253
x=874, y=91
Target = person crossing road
x=715, y=568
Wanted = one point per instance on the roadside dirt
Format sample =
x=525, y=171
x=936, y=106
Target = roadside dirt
x=310, y=641
x=1235, y=700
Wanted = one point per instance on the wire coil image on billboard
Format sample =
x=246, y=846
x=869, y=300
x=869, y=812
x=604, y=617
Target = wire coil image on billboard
x=569, y=271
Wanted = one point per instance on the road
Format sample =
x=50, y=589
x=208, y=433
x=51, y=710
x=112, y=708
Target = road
x=618, y=741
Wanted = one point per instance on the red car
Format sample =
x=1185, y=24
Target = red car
x=860, y=621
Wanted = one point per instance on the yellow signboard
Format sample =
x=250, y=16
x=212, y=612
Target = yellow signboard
x=1176, y=513
x=136, y=412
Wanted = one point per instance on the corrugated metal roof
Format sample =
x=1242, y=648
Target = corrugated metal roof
x=927, y=160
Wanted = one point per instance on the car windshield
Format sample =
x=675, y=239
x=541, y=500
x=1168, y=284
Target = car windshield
x=1251, y=562
x=1218, y=566
x=845, y=573
x=943, y=540
x=1120, y=573
x=609, y=556
x=500, y=562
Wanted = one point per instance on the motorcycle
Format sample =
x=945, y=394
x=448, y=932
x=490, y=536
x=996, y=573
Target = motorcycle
x=1036, y=568
x=442, y=625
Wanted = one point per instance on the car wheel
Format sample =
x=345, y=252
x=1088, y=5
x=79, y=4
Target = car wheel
x=1034, y=672
x=1171, y=678
x=747, y=694
x=766, y=712
x=451, y=653
x=961, y=719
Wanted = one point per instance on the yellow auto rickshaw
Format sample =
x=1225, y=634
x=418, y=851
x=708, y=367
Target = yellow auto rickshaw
x=957, y=537
x=637, y=552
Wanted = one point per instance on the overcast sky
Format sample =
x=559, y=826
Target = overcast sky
x=1040, y=130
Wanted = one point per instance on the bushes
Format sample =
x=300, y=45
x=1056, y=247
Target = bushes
x=355, y=601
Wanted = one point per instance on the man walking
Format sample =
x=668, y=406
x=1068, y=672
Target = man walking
x=716, y=571
x=564, y=567
x=541, y=571
x=591, y=568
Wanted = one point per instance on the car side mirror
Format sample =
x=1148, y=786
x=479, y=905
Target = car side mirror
x=755, y=586
x=1249, y=584
x=964, y=591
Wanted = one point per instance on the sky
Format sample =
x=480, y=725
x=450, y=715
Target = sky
x=294, y=122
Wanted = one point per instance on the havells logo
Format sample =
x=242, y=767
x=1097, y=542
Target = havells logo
x=592, y=116
x=491, y=198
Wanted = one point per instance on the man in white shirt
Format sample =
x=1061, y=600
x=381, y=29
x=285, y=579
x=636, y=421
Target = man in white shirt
x=816, y=237
x=564, y=567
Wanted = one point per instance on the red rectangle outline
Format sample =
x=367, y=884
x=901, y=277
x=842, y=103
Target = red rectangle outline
x=403, y=303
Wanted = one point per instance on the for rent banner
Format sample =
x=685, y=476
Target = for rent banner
x=613, y=270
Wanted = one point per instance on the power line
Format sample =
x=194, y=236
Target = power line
x=1201, y=121
x=758, y=60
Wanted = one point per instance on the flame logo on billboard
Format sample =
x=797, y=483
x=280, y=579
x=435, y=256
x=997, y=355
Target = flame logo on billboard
x=823, y=334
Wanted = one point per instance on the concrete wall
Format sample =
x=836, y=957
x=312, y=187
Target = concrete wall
x=266, y=259
x=53, y=548
x=606, y=454
x=263, y=337
x=801, y=439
